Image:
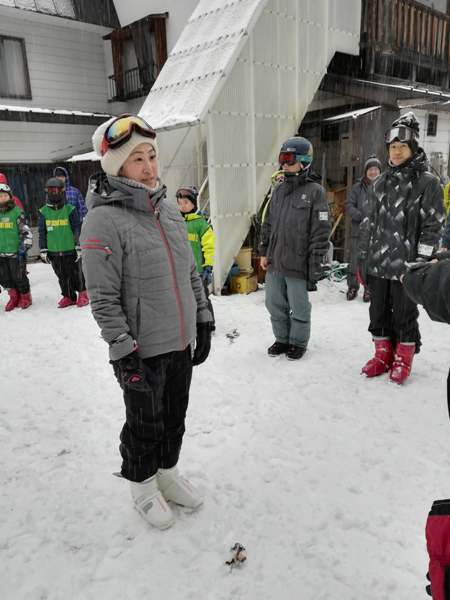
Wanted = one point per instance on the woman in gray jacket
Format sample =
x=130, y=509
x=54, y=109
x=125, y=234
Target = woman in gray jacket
x=148, y=301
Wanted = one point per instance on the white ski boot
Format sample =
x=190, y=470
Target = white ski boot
x=177, y=489
x=150, y=503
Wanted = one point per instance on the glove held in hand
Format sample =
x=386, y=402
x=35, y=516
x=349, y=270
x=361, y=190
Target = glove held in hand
x=130, y=373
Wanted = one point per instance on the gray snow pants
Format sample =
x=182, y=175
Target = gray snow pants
x=289, y=307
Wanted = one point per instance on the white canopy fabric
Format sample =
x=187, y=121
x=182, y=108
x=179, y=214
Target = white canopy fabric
x=200, y=62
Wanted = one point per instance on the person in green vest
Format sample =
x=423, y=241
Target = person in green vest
x=59, y=231
x=201, y=238
x=15, y=240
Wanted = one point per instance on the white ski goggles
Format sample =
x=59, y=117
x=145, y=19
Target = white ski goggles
x=401, y=134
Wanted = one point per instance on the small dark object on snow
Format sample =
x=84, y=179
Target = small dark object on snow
x=232, y=335
x=239, y=555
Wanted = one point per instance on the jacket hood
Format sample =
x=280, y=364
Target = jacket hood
x=3, y=178
x=418, y=163
x=62, y=171
x=107, y=189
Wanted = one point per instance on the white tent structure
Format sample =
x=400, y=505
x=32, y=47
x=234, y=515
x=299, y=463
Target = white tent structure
x=238, y=81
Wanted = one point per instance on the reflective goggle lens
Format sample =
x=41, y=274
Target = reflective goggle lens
x=54, y=190
x=121, y=129
x=290, y=158
x=402, y=134
x=5, y=188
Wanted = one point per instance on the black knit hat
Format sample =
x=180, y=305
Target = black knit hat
x=372, y=161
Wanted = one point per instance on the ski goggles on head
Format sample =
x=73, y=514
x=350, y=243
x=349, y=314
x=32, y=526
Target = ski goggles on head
x=121, y=130
x=290, y=158
x=400, y=134
x=5, y=189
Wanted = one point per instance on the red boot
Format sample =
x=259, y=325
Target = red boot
x=401, y=367
x=65, y=301
x=382, y=361
x=13, y=300
x=25, y=300
x=83, y=299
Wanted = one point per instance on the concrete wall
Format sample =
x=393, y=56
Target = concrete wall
x=179, y=11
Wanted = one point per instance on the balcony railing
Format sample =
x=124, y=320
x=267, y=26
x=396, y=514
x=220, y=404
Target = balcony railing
x=406, y=27
x=132, y=86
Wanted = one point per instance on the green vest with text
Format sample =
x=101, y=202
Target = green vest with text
x=9, y=231
x=59, y=231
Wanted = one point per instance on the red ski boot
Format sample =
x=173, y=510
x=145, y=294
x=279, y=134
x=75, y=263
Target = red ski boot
x=65, y=301
x=25, y=300
x=83, y=299
x=382, y=360
x=13, y=300
x=401, y=367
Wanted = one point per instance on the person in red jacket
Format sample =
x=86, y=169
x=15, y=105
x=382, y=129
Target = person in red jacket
x=17, y=202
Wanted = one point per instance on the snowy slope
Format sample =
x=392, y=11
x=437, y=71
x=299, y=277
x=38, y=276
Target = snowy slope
x=324, y=476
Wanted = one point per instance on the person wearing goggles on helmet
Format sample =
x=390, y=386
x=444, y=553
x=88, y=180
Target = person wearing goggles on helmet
x=149, y=303
x=15, y=239
x=294, y=241
x=403, y=225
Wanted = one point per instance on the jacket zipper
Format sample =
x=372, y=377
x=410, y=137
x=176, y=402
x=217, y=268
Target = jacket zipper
x=162, y=233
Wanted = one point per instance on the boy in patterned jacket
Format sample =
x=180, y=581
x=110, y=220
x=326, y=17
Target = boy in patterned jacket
x=59, y=231
x=201, y=238
x=15, y=239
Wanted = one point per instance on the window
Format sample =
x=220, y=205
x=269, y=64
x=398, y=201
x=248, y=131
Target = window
x=14, y=78
x=432, y=124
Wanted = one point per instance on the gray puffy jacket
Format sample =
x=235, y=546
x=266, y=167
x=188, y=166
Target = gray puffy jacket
x=139, y=269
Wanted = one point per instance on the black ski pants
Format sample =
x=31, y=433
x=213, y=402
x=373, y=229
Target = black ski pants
x=13, y=273
x=68, y=272
x=152, y=435
x=392, y=313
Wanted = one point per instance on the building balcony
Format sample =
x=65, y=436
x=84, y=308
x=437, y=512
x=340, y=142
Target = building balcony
x=405, y=32
x=132, y=86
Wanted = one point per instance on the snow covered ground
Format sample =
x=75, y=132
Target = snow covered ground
x=324, y=476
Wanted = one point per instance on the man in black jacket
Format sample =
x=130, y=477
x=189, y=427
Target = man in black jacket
x=356, y=210
x=403, y=225
x=294, y=240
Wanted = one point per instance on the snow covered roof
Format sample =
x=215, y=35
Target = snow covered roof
x=200, y=62
x=34, y=109
x=59, y=8
x=92, y=156
x=353, y=114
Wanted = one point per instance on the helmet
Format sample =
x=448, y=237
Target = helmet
x=54, y=192
x=405, y=129
x=189, y=192
x=300, y=150
x=5, y=189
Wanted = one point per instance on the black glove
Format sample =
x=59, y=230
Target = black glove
x=129, y=372
x=311, y=286
x=203, y=343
